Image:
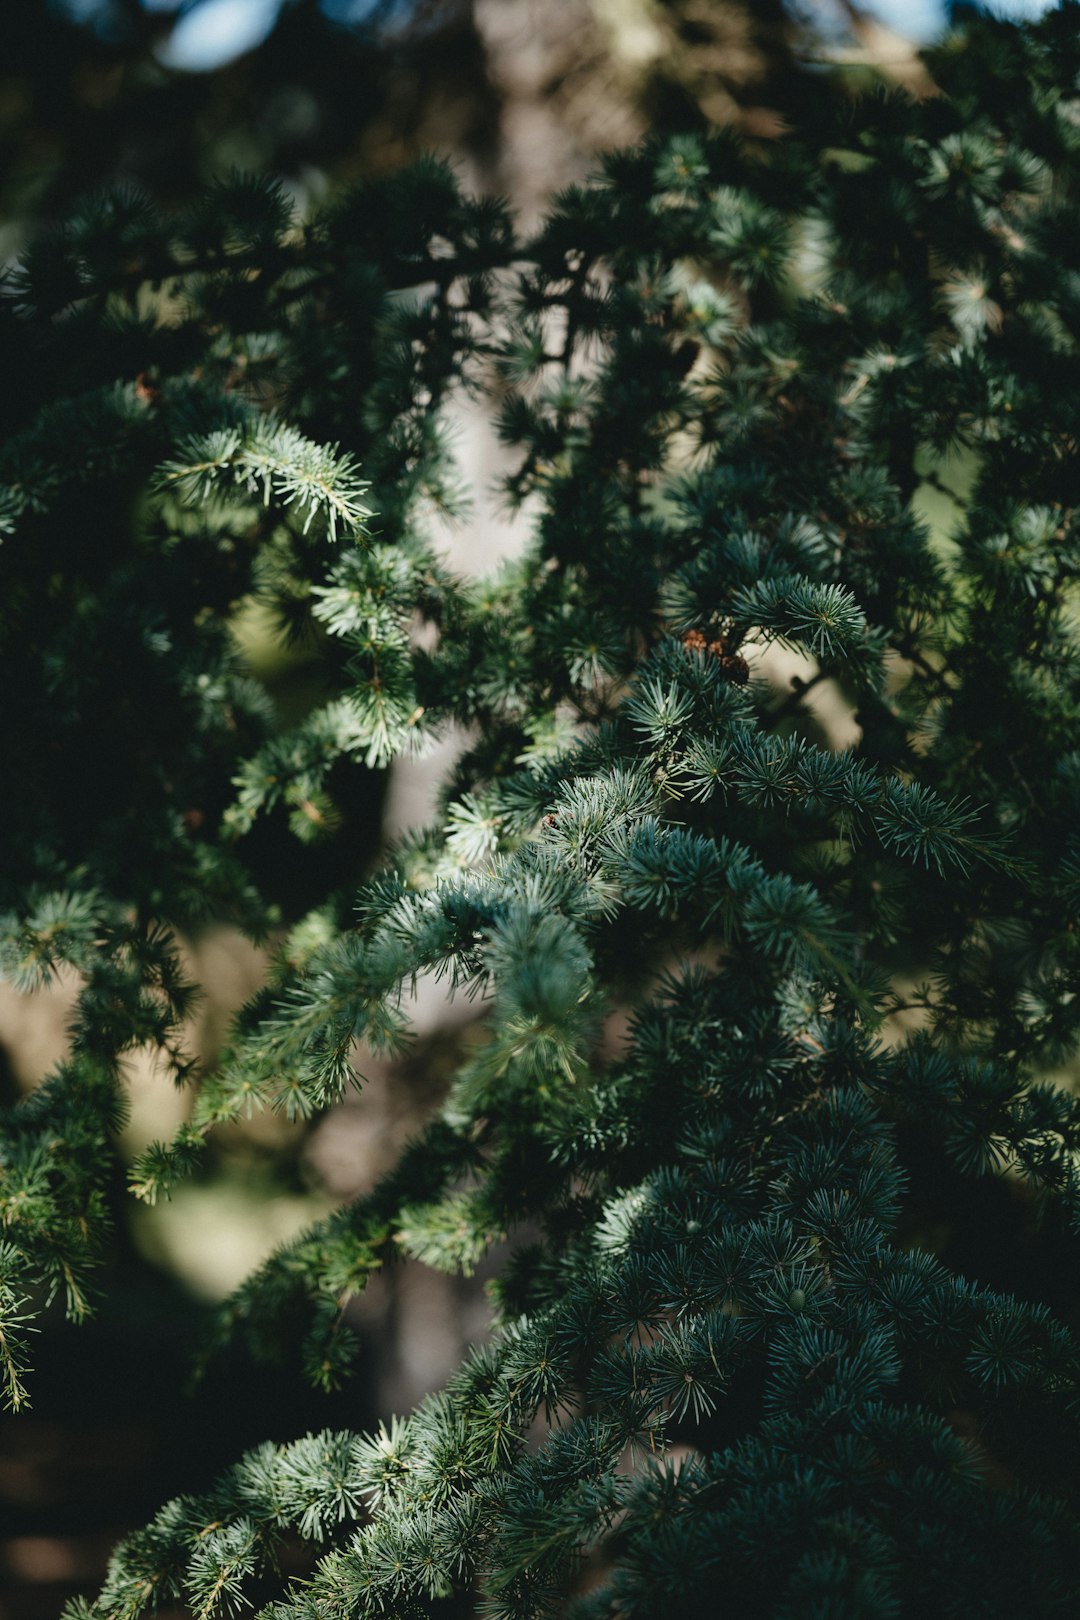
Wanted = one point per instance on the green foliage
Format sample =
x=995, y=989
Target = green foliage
x=715, y=1251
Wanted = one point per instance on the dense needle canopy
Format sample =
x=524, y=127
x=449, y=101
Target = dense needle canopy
x=729, y=1366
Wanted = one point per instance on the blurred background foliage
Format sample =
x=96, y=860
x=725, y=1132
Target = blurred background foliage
x=168, y=95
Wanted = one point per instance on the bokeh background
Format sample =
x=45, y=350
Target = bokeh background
x=169, y=94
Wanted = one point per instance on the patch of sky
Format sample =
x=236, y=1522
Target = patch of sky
x=917, y=20
x=217, y=31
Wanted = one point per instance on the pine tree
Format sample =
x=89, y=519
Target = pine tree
x=726, y=1373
